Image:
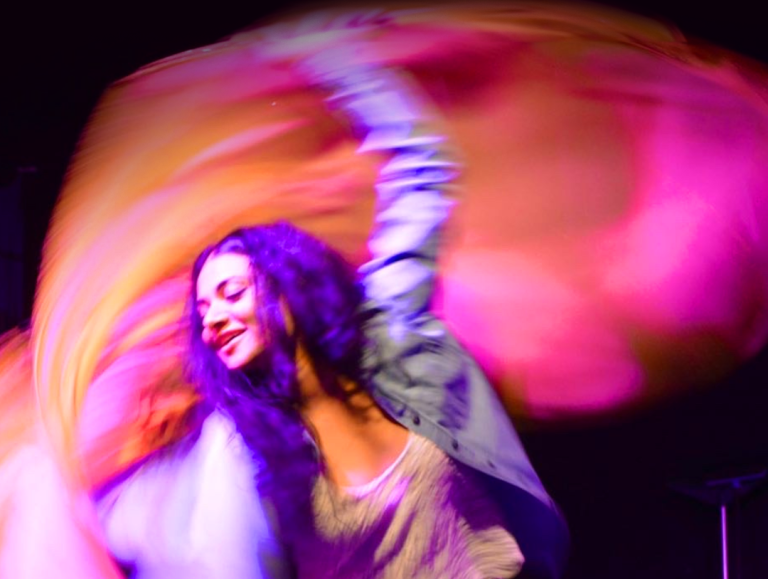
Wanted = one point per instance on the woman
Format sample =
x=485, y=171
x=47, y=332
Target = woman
x=346, y=433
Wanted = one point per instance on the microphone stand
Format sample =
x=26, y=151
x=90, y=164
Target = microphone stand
x=722, y=491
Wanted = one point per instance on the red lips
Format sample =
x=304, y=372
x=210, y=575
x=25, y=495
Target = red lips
x=224, y=338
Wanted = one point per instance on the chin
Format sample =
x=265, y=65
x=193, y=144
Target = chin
x=244, y=361
x=237, y=364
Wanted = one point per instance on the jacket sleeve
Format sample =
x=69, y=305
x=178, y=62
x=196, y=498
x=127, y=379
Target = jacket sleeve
x=194, y=512
x=413, y=187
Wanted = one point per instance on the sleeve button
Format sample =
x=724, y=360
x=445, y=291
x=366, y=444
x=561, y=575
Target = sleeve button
x=455, y=445
x=416, y=419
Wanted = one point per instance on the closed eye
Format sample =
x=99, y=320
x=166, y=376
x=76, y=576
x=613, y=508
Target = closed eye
x=234, y=295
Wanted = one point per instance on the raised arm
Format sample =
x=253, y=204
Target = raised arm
x=412, y=189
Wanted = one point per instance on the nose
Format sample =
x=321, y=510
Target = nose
x=216, y=317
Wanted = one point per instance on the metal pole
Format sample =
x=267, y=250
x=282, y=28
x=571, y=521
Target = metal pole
x=724, y=535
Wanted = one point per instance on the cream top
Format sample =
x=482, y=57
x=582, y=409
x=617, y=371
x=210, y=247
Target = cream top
x=426, y=516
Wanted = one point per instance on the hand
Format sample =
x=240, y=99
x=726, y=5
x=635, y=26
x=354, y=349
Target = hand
x=323, y=41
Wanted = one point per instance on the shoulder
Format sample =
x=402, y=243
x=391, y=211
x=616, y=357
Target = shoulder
x=186, y=502
x=214, y=443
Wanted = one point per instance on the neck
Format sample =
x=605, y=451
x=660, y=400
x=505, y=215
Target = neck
x=317, y=384
x=307, y=377
x=357, y=440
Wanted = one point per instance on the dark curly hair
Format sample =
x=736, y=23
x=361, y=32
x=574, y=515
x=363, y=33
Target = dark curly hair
x=292, y=269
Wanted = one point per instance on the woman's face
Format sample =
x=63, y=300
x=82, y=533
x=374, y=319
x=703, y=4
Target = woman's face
x=226, y=302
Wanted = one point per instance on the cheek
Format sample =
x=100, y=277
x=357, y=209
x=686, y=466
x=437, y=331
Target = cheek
x=206, y=336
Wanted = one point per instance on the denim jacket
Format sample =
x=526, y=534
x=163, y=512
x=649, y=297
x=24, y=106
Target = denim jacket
x=420, y=374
